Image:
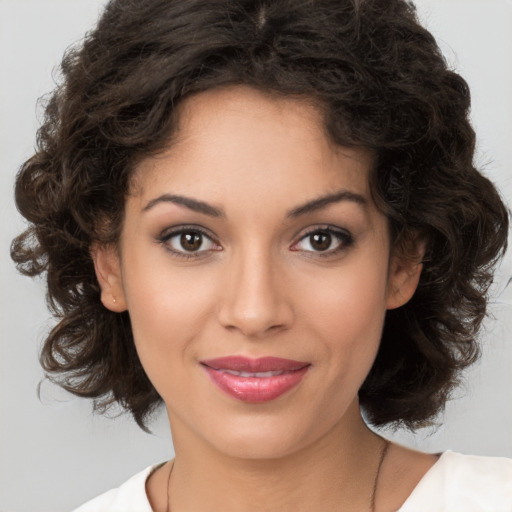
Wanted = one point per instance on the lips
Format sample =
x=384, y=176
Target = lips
x=255, y=380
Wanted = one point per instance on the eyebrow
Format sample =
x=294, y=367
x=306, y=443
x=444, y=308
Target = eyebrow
x=192, y=204
x=309, y=207
x=323, y=201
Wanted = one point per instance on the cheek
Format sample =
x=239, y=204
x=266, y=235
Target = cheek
x=347, y=313
x=347, y=299
x=168, y=306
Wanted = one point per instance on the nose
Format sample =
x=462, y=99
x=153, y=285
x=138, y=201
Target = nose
x=254, y=300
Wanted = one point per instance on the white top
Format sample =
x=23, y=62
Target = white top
x=455, y=483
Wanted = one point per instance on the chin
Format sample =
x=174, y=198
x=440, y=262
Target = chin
x=259, y=448
x=263, y=438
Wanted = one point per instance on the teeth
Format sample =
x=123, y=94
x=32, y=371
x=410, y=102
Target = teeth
x=255, y=374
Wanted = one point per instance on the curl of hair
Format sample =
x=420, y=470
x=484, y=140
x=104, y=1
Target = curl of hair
x=381, y=83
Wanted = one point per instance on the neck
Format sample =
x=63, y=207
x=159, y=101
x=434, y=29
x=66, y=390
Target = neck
x=335, y=472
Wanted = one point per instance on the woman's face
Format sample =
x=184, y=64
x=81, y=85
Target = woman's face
x=254, y=237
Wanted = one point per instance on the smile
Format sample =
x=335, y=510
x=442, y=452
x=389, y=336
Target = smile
x=260, y=375
x=255, y=380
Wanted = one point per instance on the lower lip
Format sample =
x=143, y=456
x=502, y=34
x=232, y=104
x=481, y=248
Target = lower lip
x=256, y=389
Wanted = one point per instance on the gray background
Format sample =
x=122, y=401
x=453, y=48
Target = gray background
x=54, y=454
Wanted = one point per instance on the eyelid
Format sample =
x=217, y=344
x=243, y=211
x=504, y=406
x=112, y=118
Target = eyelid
x=344, y=236
x=169, y=233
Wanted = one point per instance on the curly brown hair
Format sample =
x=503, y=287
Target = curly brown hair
x=381, y=83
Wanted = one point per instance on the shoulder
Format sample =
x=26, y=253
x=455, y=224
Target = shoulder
x=468, y=483
x=129, y=497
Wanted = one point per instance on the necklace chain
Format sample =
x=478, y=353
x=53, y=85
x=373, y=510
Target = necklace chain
x=382, y=456
x=383, y=453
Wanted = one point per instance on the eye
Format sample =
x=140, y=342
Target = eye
x=188, y=242
x=325, y=241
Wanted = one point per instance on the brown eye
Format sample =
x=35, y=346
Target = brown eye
x=191, y=241
x=320, y=241
x=325, y=242
x=188, y=243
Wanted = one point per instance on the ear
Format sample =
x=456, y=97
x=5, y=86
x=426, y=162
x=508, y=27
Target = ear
x=108, y=272
x=404, y=276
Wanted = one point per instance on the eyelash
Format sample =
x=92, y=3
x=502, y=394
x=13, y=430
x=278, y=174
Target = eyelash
x=165, y=238
x=344, y=237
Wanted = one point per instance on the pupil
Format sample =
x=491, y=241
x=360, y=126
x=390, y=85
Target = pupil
x=191, y=241
x=321, y=241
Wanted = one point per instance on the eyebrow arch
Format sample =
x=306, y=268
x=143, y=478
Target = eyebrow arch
x=309, y=207
x=322, y=202
x=192, y=204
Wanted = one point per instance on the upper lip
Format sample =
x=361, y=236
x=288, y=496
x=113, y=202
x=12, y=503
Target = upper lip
x=261, y=364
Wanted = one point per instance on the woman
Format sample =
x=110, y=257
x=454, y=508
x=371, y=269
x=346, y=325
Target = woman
x=266, y=215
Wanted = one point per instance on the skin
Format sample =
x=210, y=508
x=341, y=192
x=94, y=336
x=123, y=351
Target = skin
x=258, y=286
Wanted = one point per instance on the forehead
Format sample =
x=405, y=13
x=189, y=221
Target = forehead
x=238, y=139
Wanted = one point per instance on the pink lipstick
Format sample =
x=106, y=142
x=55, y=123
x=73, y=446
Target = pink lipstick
x=255, y=380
